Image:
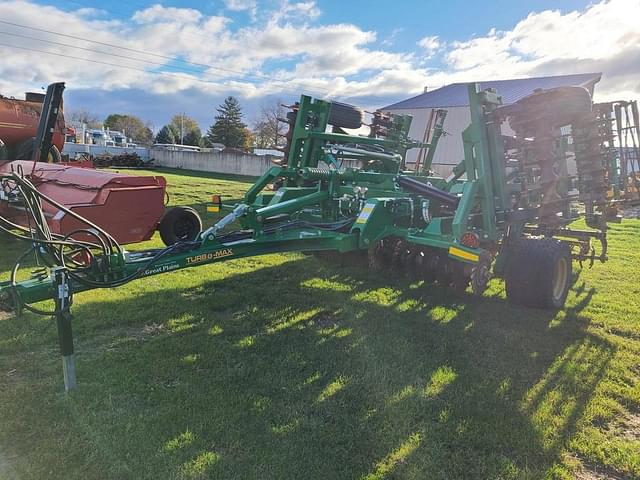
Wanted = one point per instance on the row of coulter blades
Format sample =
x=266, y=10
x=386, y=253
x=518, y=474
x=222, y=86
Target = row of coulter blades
x=417, y=263
x=560, y=153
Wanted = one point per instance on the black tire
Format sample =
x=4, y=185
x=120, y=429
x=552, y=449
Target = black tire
x=345, y=115
x=26, y=148
x=180, y=224
x=54, y=155
x=538, y=273
x=24, y=151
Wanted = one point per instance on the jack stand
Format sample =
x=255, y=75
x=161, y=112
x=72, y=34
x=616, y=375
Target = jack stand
x=63, y=319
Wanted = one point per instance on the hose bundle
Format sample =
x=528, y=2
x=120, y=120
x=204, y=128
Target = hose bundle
x=79, y=251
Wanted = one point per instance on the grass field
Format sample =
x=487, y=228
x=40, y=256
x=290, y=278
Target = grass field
x=286, y=366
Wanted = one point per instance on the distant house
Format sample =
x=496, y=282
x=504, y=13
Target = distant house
x=272, y=152
x=455, y=100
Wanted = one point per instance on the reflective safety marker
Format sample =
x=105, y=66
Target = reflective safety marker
x=217, y=204
x=366, y=211
x=457, y=252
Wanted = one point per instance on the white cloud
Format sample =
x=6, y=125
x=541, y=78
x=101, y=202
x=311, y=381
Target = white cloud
x=240, y=5
x=603, y=37
x=430, y=45
x=243, y=5
x=292, y=51
x=157, y=13
x=297, y=11
x=391, y=39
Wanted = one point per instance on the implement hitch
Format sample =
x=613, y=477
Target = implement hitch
x=63, y=321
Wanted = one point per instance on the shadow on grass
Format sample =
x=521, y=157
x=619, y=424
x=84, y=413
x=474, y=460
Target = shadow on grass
x=308, y=370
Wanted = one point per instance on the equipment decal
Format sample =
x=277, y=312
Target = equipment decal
x=205, y=257
x=366, y=211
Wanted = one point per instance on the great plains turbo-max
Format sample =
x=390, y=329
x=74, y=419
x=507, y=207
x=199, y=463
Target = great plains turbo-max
x=505, y=210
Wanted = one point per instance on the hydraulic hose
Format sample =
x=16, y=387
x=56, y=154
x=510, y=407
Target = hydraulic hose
x=428, y=191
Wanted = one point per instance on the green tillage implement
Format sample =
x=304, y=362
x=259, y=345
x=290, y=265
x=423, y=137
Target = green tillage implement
x=503, y=209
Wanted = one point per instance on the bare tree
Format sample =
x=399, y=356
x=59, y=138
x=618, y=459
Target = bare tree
x=268, y=131
x=83, y=116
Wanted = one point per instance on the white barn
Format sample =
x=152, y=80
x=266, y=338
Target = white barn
x=454, y=99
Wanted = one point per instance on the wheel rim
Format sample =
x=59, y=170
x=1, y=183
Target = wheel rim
x=183, y=228
x=560, y=273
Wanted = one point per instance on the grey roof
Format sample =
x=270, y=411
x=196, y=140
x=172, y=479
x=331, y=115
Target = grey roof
x=455, y=95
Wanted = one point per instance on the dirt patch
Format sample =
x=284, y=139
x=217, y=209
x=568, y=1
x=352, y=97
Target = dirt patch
x=118, y=337
x=151, y=329
x=590, y=471
x=629, y=335
x=324, y=320
x=597, y=473
x=631, y=427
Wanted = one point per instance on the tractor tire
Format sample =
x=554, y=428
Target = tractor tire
x=4, y=152
x=538, y=273
x=345, y=115
x=54, y=155
x=26, y=149
x=180, y=224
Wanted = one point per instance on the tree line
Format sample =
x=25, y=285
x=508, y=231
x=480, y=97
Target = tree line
x=228, y=128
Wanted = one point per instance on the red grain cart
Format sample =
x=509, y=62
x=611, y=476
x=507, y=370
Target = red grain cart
x=18, y=125
x=131, y=208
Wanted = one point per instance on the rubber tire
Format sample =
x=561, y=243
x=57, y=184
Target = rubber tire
x=529, y=272
x=345, y=115
x=25, y=151
x=177, y=219
x=54, y=155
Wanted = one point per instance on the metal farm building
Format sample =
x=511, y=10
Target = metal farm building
x=454, y=99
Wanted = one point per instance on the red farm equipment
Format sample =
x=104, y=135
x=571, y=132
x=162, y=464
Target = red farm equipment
x=19, y=124
x=130, y=207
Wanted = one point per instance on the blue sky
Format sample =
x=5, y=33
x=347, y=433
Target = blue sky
x=157, y=59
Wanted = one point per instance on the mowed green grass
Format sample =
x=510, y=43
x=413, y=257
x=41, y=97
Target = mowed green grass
x=287, y=366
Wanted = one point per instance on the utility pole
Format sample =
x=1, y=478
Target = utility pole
x=182, y=129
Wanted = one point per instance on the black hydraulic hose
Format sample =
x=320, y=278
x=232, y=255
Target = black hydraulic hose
x=22, y=182
x=428, y=191
x=16, y=292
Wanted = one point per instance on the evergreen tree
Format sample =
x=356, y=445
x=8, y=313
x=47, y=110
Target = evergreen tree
x=193, y=137
x=228, y=128
x=165, y=135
